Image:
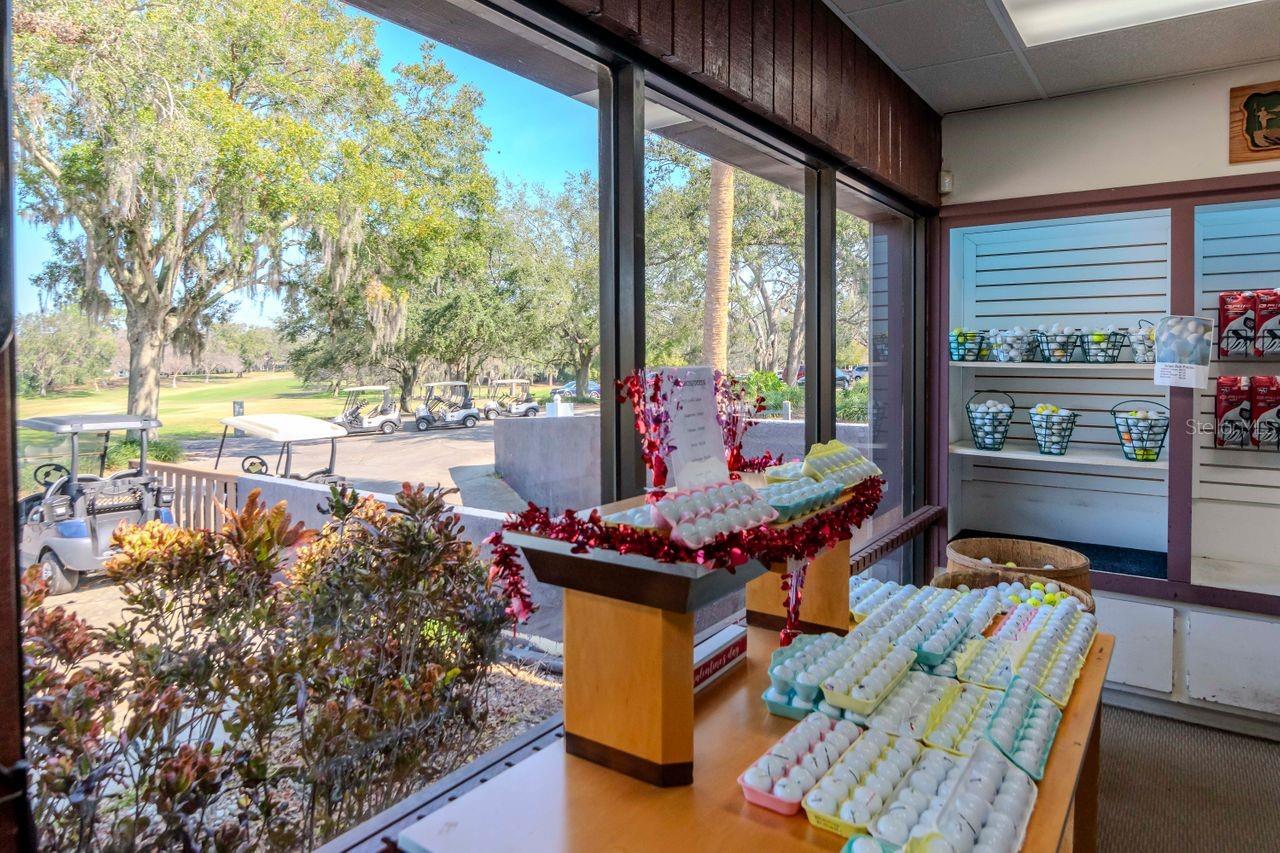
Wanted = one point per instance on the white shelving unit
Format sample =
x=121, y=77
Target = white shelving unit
x=1041, y=367
x=1026, y=451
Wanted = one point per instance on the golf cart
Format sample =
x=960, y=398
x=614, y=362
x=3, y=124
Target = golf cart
x=446, y=404
x=68, y=521
x=285, y=429
x=510, y=397
x=369, y=408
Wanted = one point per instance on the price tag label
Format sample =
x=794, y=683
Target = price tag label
x=1183, y=345
x=697, y=455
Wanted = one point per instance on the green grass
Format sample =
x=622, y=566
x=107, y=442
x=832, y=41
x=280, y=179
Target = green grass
x=193, y=409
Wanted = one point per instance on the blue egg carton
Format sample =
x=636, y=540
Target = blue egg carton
x=884, y=846
x=824, y=493
x=932, y=659
x=786, y=709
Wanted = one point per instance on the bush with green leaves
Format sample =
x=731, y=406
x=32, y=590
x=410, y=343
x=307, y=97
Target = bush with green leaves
x=231, y=710
x=851, y=405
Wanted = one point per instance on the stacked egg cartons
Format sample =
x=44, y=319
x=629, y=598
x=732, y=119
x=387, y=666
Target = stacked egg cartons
x=957, y=724
x=794, y=498
x=699, y=516
x=792, y=470
x=836, y=461
x=796, y=671
x=1023, y=727
x=987, y=809
x=780, y=778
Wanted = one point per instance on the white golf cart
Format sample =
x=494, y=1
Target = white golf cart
x=512, y=398
x=68, y=521
x=445, y=405
x=285, y=429
x=369, y=408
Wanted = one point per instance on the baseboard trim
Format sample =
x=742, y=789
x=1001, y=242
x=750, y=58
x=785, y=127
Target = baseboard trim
x=1195, y=714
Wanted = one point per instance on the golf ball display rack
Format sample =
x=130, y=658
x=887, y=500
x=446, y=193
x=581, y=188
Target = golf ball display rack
x=1023, y=727
x=989, y=420
x=1141, y=430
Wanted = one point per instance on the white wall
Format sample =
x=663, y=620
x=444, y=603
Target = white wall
x=1150, y=133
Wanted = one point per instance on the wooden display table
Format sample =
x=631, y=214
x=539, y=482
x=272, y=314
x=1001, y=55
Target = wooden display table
x=555, y=802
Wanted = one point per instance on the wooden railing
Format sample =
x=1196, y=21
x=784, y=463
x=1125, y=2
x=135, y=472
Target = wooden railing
x=197, y=493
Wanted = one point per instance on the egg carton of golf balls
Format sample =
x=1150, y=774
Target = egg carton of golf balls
x=987, y=809
x=1142, y=343
x=700, y=515
x=1102, y=346
x=797, y=671
x=884, y=602
x=639, y=516
x=985, y=662
x=779, y=779
x=1057, y=343
x=890, y=624
x=905, y=711
x=1010, y=345
x=883, y=776
x=860, y=843
x=862, y=683
x=989, y=421
x=958, y=723
x=1023, y=727
x=939, y=632
x=794, y=498
x=793, y=470
x=935, y=597
x=838, y=462
x=1050, y=666
x=977, y=607
x=968, y=344
x=1142, y=430
x=1052, y=428
x=867, y=593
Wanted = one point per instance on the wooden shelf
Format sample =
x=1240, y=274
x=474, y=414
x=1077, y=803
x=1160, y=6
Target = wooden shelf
x=1026, y=451
x=1118, y=367
x=554, y=802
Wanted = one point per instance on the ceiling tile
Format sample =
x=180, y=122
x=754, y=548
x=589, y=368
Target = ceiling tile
x=1219, y=39
x=916, y=33
x=982, y=82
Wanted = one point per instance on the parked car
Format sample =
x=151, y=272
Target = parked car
x=860, y=372
x=570, y=389
x=843, y=380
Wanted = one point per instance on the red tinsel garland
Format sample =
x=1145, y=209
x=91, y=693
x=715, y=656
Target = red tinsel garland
x=768, y=545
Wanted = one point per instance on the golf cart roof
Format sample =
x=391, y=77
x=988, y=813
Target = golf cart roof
x=285, y=428
x=66, y=424
x=512, y=381
x=356, y=389
x=450, y=382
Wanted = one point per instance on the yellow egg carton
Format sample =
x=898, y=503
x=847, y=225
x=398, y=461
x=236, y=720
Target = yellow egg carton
x=787, y=471
x=987, y=663
x=837, y=461
x=946, y=823
x=984, y=696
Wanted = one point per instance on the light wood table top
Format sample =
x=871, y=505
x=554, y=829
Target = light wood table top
x=555, y=802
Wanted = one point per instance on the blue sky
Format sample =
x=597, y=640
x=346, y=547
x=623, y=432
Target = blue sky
x=537, y=136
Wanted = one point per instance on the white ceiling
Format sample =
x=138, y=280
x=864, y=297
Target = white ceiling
x=966, y=54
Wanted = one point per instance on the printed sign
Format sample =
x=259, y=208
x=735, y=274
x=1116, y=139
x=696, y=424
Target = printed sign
x=1183, y=345
x=697, y=456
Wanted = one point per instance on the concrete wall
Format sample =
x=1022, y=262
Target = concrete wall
x=554, y=462
x=1170, y=130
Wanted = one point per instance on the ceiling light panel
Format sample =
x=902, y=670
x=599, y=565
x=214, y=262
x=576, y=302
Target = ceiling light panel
x=1044, y=21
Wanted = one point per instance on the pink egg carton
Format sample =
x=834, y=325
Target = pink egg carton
x=815, y=742
x=698, y=516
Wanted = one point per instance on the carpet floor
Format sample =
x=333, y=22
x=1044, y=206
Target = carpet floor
x=1171, y=786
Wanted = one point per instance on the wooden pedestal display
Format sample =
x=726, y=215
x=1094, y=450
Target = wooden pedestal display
x=825, y=604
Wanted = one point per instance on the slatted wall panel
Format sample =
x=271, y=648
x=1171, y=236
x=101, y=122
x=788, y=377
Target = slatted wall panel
x=1086, y=272
x=1237, y=492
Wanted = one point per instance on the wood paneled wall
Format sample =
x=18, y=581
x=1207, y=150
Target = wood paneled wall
x=797, y=64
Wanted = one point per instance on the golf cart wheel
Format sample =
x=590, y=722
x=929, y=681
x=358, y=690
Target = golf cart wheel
x=469, y=421
x=423, y=425
x=61, y=580
x=388, y=427
x=531, y=412
x=490, y=414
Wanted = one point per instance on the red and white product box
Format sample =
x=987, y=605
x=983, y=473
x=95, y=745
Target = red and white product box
x=1233, y=423
x=1264, y=401
x=1266, y=332
x=1236, y=315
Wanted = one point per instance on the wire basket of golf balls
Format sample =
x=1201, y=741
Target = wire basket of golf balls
x=1053, y=428
x=968, y=345
x=1010, y=345
x=1142, y=342
x=1057, y=345
x=1102, y=346
x=1142, y=426
x=989, y=420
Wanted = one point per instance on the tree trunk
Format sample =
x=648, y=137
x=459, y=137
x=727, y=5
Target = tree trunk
x=146, y=344
x=796, y=340
x=581, y=376
x=715, y=307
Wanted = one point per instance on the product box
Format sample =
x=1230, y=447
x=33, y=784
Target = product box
x=1264, y=402
x=1266, y=332
x=1236, y=316
x=1232, y=419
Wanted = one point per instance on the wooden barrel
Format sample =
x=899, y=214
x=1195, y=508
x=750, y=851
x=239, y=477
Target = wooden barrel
x=1069, y=567
x=987, y=577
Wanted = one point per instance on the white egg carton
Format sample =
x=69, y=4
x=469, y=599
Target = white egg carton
x=640, y=516
x=880, y=612
x=935, y=635
x=780, y=778
x=868, y=593
x=1051, y=665
x=988, y=808
x=985, y=662
x=978, y=607
x=1024, y=726
x=871, y=674
x=797, y=670
x=885, y=786
x=958, y=723
x=905, y=712
x=699, y=516
x=793, y=470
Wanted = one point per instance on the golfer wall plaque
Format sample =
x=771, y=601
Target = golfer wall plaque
x=1255, y=123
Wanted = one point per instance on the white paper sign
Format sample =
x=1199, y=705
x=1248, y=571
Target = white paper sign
x=1183, y=345
x=697, y=457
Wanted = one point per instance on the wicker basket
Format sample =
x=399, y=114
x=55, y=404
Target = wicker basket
x=983, y=578
x=1069, y=567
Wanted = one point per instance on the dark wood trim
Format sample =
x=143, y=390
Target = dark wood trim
x=661, y=775
x=937, y=401
x=1182, y=401
x=1187, y=593
x=774, y=622
x=819, y=305
x=920, y=521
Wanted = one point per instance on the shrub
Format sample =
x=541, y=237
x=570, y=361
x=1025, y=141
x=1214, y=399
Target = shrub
x=229, y=710
x=851, y=405
x=121, y=453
